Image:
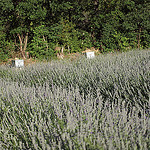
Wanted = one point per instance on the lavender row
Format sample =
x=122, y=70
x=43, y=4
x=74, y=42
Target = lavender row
x=41, y=118
x=101, y=103
x=124, y=76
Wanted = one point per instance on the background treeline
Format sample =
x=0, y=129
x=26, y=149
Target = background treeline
x=38, y=26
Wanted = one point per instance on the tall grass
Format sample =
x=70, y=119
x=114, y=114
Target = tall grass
x=101, y=103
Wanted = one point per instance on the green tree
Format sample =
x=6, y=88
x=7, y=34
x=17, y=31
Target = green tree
x=39, y=26
x=40, y=46
x=137, y=23
x=7, y=8
x=20, y=17
x=28, y=14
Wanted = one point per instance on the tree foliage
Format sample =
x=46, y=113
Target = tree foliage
x=38, y=26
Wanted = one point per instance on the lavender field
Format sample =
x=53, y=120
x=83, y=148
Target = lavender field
x=86, y=104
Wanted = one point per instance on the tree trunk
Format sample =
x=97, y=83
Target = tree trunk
x=62, y=50
x=25, y=43
x=45, y=42
x=68, y=49
x=23, y=47
x=20, y=43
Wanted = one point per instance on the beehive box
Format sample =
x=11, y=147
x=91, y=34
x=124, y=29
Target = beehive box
x=90, y=54
x=18, y=63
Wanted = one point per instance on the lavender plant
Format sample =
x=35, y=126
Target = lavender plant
x=101, y=103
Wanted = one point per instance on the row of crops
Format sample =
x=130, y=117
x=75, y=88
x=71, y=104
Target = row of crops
x=96, y=104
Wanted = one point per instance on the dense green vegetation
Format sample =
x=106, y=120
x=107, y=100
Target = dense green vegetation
x=38, y=26
x=96, y=104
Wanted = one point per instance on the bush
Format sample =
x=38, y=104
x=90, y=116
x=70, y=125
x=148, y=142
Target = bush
x=3, y=56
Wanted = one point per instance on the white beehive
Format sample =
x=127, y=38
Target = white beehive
x=18, y=63
x=90, y=54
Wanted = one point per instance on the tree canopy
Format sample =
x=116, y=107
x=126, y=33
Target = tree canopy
x=38, y=26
